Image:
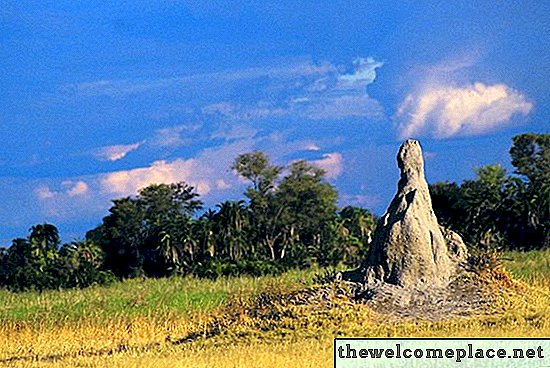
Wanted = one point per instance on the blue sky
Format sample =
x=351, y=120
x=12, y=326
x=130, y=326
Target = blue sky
x=101, y=98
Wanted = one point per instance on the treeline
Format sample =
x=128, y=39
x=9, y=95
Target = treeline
x=502, y=211
x=290, y=219
x=40, y=262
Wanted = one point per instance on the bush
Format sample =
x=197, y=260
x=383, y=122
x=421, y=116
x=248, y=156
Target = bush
x=215, y=268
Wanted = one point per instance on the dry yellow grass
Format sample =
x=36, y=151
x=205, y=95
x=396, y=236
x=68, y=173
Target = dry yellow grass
x=301, y=336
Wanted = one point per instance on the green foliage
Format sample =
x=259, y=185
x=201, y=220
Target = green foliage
x=355, y=226
x=531, y=157
x=216, y=268
x=497, y=210
x=255, y=166
x=308, y=207
x=151, y=234
x=265, y=210
x=39, y=263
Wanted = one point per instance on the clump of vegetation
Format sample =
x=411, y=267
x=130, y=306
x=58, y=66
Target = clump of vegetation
x=39, y=262
x=498, y=210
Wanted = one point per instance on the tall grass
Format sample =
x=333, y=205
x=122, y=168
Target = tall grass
x=533, y=267
x=137, y=298
x=138, y=323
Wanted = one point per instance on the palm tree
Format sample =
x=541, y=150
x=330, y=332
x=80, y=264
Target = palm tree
x=232, y=219
x=44, y=241
x=205, y=233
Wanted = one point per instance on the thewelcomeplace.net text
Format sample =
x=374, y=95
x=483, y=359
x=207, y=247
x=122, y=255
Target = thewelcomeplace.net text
x=456, y=354
x=442, y=352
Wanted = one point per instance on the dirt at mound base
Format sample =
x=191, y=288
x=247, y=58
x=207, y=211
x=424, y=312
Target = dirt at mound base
x=466, y=294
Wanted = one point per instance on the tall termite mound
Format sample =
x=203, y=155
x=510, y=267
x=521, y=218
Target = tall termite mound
x=409, y=248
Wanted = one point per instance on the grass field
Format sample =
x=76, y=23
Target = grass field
x=141, y=323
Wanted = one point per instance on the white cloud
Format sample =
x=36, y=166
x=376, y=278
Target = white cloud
x=222, y=184
x=207, y=172
x=128, y=182
x=79, y=188
x=123, y=87
x=305, y=91
x=235, y=112
x=116, y=152
x=234, y=131
x=70, y=200
x=44, y=192
x=444, y=111
x=332, y=163
x=364, y=74
x=312, y=147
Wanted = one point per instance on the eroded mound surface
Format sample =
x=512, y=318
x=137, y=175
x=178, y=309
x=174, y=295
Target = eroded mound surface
x=465, y=295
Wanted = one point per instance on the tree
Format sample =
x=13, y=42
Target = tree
x=168, y=245
x=44, y=241
x=150, y=234
x=80, y=265
x=121, y=236
x=265, y=210
x=31, y=263
x=359, y=221
x=354, y=227
x=482, y=201
x=309, y=205
x=205, y=227
x=232, y=220
x=530, y=155
x=447, y=204
x=255, y=166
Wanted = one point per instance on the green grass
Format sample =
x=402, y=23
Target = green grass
x=184, y=296
x=533, y=266
x=158, y=298
x=136, y=322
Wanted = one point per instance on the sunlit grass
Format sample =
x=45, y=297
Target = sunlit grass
x=533, y=267
x=151, y=298
x=138, y=323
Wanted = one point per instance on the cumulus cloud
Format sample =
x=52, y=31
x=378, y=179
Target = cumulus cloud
x=332, y=163
x=446, y=102
x=77, y=189
x=341, y=95
x=207, y=171
x=73, y=189
x=446, y=111
x=128, y=182
x=68, y=200
x=222, y=184
x=116, y=152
